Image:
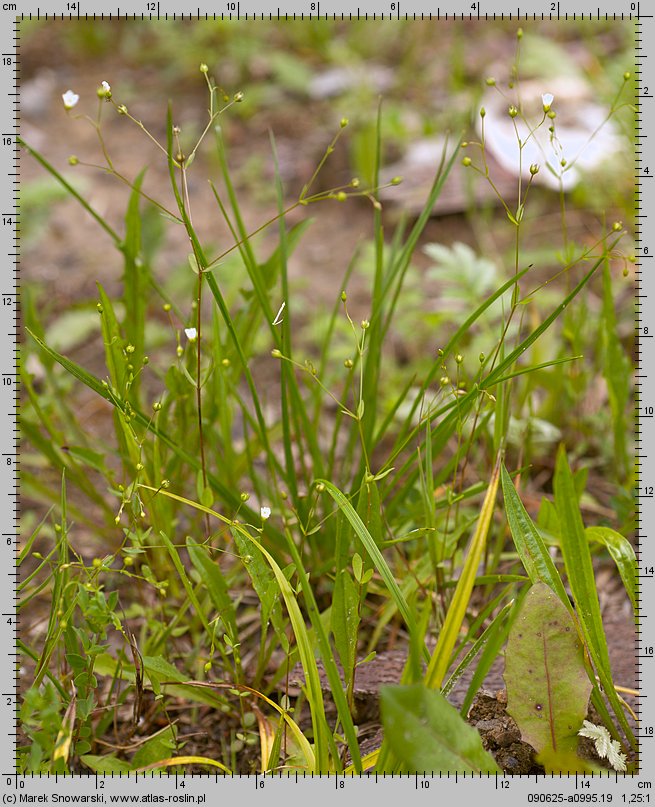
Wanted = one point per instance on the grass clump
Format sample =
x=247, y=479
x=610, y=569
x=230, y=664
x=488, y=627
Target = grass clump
x=262, y=501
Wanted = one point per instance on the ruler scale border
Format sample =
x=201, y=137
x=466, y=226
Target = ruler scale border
x=628, y=789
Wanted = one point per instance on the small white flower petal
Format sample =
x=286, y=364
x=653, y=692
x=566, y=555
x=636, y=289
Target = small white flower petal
x=265, y=512
x=106, y=86
x=191, y=334
x=70, y=99
x=547, y=99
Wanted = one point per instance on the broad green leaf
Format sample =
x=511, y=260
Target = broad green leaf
x=108, y=764
x=158, y=747
x=622, y=554
x=567, y=762
x=426, y=733
x=547, y=684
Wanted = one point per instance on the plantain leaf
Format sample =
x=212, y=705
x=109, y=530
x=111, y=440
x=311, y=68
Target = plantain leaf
x=547, y=684
x=426, y=733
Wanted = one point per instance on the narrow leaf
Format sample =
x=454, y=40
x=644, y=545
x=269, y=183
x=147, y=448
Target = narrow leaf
x=441, y=658
x=532, y=551
x=580, y=572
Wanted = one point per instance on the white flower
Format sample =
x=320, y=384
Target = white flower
x=605, y=746
x=547, y=100
x=191, y=334
x=278, y=316
x=106, y=86
x=265, y=512
x=70, y=98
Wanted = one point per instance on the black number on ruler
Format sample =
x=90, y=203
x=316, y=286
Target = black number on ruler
x=553, y=6
x=6, y=61
x=71, y=6
x=151, y=6
x=649, y=490
x=231, y=6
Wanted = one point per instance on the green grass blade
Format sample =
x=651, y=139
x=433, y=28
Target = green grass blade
x=580, y=572
x=376, y=556
x=322, y=736
x=441, y=657
x=532, y=551
x=227, y=494
x=495, y=375
x=70, y=189
x=136, y=280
